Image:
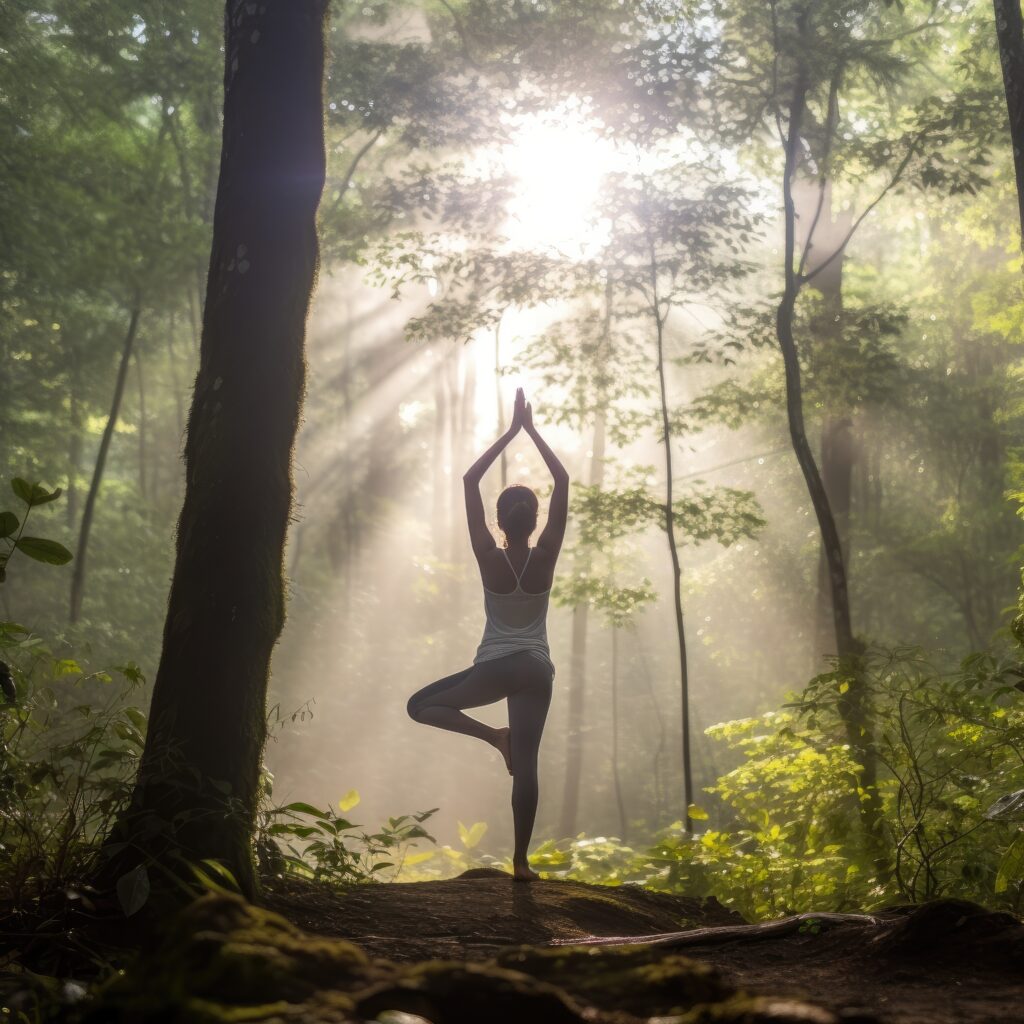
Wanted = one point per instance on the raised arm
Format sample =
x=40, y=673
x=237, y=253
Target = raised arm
x=479, y=535
x=558, y=511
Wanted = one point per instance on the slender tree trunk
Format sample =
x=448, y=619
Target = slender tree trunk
x=838, y=456
x=658, y=751
x=616, y=774
x=193, y=318
x=813, y=205
x=498, y=403
x=172, y=362
x=577, y=666
x=81, y=551
x=143, y=454
x=197, y=784
x=677, y=575
x=852, y=708
x=1010, y=35
x=75, y=437
x=440, y=524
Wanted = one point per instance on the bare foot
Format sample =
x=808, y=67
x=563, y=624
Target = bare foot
x=524, y=873
x=503, y=744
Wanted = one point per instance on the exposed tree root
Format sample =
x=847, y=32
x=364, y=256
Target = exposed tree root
x=728, y=933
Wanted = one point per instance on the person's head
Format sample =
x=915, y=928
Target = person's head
x=517, y=512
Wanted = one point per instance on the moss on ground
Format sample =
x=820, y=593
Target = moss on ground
x=639, y=979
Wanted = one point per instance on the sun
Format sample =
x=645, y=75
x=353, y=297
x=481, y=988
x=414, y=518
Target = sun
x=558, y=161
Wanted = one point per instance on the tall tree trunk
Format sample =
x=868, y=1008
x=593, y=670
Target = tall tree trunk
x=78, y=576
x=838, y=457
x=75, y=435
x=824, y=259
x=852, y=707
x=143, y=454
x=439, y=518
x=1010, y=35
x=578, y=666
x=197, y=785
x=658, y=750
x=172, y=362
x=677, y=575
x=616, y=774
x=499, y=405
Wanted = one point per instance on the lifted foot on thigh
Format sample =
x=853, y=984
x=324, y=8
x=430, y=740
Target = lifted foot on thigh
x=502, y=742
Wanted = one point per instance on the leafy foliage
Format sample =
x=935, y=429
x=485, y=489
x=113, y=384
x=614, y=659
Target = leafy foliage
x=950, y=742
x=12, y=528
x=69, y=746
x=318, y=843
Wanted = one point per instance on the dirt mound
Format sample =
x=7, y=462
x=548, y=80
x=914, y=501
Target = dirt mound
x=477, y=914
x=954, y=931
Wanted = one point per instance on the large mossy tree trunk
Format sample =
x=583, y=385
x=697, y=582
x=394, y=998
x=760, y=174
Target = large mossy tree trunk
x=197, y=786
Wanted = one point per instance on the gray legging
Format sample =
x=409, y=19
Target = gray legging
x=525, y=682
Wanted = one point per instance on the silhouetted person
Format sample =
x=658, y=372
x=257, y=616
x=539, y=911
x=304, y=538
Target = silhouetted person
x=512, y=662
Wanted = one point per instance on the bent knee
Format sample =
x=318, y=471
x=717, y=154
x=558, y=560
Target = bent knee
x=415, y=709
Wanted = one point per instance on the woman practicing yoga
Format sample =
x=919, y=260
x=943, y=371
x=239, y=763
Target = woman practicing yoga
x=512, y=662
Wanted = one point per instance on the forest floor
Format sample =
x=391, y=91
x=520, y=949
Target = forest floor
x=948, y=961
x=482, y=949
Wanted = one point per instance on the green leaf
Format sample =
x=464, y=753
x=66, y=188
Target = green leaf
x=137, y=718
x=23, y=489
x=133, y=890
x=418, y=858
x=304, y=808
x=1011, y=867
x=33, y=494
x=697, y=813
x=349, y=800
x=8, y=523
x=48, y=551
x=472, y=835
x=221, y=872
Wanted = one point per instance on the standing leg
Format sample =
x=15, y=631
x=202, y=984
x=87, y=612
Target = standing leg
x=440, y=704
x=527, y=711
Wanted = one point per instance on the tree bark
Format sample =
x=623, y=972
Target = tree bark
x=677, y=575
x=852, y=707
x=838, y=456
x=143, y=454
x=75, y=436
x=78, y=576
x=197, y=786
x=1010, y=35
x=620, y=803
x=577, y=668
x=822, y=243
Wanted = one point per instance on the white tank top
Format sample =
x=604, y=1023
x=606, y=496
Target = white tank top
x=515, y=622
